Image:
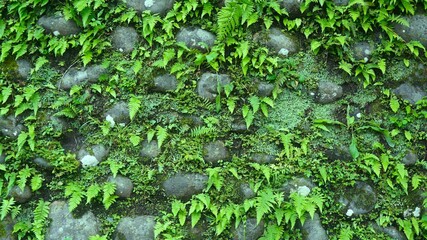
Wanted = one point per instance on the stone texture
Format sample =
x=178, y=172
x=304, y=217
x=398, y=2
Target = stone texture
x=263, y=158
x=58, y=25
x=416, y=31
x=300, y=185
x=21, y=195
x=215, y=151
x=292, y=7
x=410, y=93
x=136, y=228
x=24, y=68
x=328, y=92
x=359, y=199
x=410, y=158
x=341, y=2
x=249, y=230
x=185, y=185
x=119, y=113
x=208, y=84
x=165, y=83
x=391, y=231
x=64, y=226
x=81, y=76
x=150, y=149
x=10, y=127
x=154, y=6
x=6, y=229
x=362, y=51
x=125, y=39
x=246, y=191
x=93, y=155
x=312, y=229
x=281, y=43
x=42, y=163
x=265, y=89
x=124, y=185
x=196, y=38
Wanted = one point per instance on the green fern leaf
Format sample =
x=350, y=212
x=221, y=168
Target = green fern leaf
x=41, y=214
x=108, y=197
x=228, y=19
x=162, y=134
x=76, y=193
x=6, y=207
x=254, y=101
x=134, y=105
x=265, y=202
x=92, y=192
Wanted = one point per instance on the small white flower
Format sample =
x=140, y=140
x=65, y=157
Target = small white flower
x=303, y=191
x=349, y=212
x=56, y=33
x=284, y=52
x=148, y=3
x=110, y=119
x=416, y=212
x=403, y=30
x=89, y=161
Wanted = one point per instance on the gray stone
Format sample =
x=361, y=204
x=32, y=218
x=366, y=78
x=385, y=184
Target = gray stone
x=24, y=68
x=302, y=186
x=6, y=229
x=249, y=230
x=43, y=163
x=359, y=199
x=82, y=76
x=416, y=31
x=125, y=39
x=338, y=152
x=2, y=158
x=263, y=158
x=165, y=83
x=185, y=185
x=196, y=38
x=64, y=226
x=312, y=229
x=328, y=92
x=265, y=89
x=341, y=2
x=246, y=191
x=410, y=93
x=58, y=25
x=119, y=113
x=93, y=155
x=150, y=149
x=124, y=185
x=410, y=158
x=137, y=228
x=21, y=195
x=10, y=127
x=281, y=43
x=292, y=7
x=208, y=84
x=215, y=151
x=362, y=51
x=154, y=6
x=391, y=231
x=239, y=126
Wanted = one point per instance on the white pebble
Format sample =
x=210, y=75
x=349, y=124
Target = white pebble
x=148, y=3
x=89, y=161
x=284, y=52
x=303, y=191
x=349, y=212
x=416, y=212
x=56, y=33
x=110, y=119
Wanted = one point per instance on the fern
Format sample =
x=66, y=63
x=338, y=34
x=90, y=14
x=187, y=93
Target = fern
x=134, y=106
x=108, y=197
x=41, y=214
x=91, y=192
x=228, y=19
x=162, y=134
x=6, y=207
x=76, y=193
x=202, y=131
x=273, y=232
x=265, y=202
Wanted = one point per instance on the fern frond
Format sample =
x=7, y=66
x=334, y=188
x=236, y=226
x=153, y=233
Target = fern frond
x=162, y=134
x=41, y=214
x=202, y=131
x=265, y=202
x=108, y=197
x=76, y=192
x=6, y=207
x=228, y=19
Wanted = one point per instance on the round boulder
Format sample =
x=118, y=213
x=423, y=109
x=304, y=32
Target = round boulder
x=410, y=92
x=215, y=151
x=313, y=229
x=10, y=127
x=207, y=87
x=118, y=113
x=124, y=185
x=249, y=230
x=165, y=83
x=140, y=227
x=154, y=6
x=328, y=92
x=184, y=185
x=196, y=38
x=150, y=149
x=416, y=31
x=58, y=25
x=21, y=195
x=359, y=199
x=79, y=77
x=281, y=43
x=125, y=39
